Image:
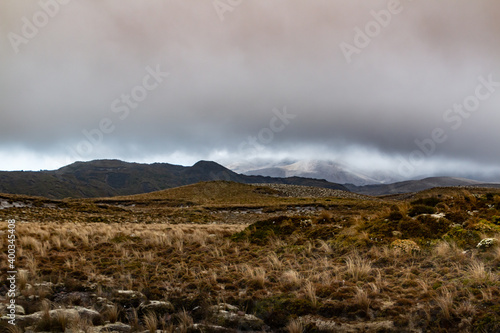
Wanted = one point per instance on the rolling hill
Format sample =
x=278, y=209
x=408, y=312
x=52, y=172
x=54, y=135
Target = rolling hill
x=416, y=185
x=104, y=178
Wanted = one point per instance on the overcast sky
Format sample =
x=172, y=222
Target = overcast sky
x=251, y=79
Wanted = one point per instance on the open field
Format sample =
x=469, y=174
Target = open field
x=227, y=257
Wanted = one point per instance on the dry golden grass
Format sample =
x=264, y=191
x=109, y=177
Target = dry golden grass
x=14, y=329
x=295, y=326
x=31, y=243
x=151, y=322
x=478, y=273
x=310, y=292
x=324, y=247
x=254, y=275
x=466, y=309
x=32, y=264
x=445, y=302
x=448, y=250
x=274, y=261
x=112, y=313
x=185, y=321
x=357, y=267
x=362, y=299
x=291, y=279
x=338, y=272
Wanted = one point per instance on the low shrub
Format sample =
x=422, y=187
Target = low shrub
x=421, y=209
x=431, y=202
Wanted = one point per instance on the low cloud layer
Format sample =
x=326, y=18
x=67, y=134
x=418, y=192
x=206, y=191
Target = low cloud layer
x=228, y=78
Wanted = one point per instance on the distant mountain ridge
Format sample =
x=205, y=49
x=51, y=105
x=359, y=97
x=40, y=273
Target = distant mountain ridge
x=417, y=185
x=104, y=178
x=320, y=169
x=370, y=183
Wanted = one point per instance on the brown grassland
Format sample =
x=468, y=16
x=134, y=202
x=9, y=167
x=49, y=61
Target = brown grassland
x=227, y=257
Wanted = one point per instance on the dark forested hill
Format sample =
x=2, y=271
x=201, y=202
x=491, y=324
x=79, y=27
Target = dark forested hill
x=104, y=178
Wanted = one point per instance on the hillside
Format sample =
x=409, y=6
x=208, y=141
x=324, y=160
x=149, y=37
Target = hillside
x=231, y=257
x=103, y=178
x=331, y=171
x=416, y=185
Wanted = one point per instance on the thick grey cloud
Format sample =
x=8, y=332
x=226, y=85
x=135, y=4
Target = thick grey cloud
x=226, y=77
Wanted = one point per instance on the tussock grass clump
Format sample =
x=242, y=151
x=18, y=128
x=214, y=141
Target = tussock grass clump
x=325, y=217
x=285, y=261
x=291, y=279
x=357, y=267
x=151, y=322
x=295, y=326
x=478, y=273
x=310, y=292
x=112, y=314
x=274, y=261
x=445, y=303
x=362, y=299
x=444, y=249
x=185, y=321
x=255, y=276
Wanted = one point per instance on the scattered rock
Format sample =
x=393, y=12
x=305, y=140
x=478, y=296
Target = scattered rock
x=70, y=313
x=202, y=328
x=312, y=192
x=223, y=306
x=228, y=315
x=396, y=233
x=102, y=304
x=4, y=310
x=128, y=298
x=27, y=320
x=332, y=326
x=85, y=299
x=115, y=327
x=486, y=243
x=130, y=293
x=159, y=307
x=85, y=313
x=438, y=215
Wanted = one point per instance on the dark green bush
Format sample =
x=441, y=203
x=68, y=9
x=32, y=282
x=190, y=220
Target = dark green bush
x=457, y=216
x=395, y=216
x=421, y=209
x=432, y=202
x=414, y=229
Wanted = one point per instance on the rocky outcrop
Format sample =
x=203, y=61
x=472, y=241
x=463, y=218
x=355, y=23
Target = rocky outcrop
x=227, y=315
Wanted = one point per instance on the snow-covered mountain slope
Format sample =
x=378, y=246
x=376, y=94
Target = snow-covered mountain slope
x=321, y=169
